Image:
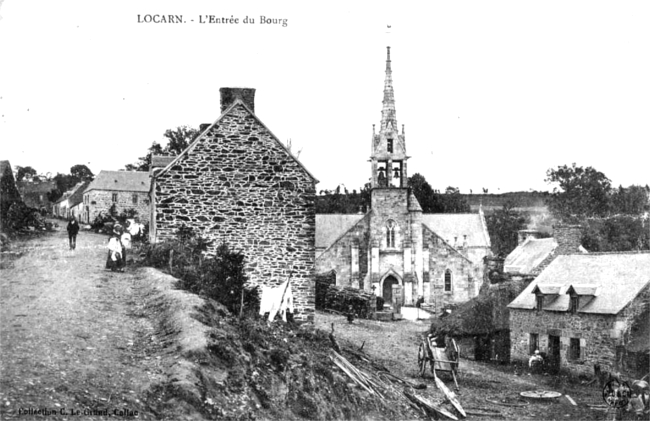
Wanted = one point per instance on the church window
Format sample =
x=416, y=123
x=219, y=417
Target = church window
x=390, y=233
x=447, y=280
x=389, y=145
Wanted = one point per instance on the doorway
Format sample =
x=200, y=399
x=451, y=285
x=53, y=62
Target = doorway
x=553, y=353
x=387, y=292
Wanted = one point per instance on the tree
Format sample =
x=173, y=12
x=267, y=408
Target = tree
x=81, y=173
x=503, y=226
x=177, y=141
x=434, y=202
x=630, y=201
x=26, y=174
x=579, y=192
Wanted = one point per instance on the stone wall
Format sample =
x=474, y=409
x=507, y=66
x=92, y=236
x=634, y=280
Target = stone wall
x=99, y=201
x=599, y=334
x=338, y=257
x=238, y=185
x=466, y=277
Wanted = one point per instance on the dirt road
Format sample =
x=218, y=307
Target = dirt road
x=395, y=345
x=71, y=338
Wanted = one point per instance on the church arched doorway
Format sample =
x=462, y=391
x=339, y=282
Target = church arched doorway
x=387, y=292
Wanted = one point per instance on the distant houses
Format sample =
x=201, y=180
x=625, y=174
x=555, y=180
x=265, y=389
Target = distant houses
x=121, y=189
x=35, y=193
x=70, y=203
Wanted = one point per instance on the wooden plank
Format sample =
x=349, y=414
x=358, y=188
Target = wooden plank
x=451, y=396
x=571, y=400
x=430, y=405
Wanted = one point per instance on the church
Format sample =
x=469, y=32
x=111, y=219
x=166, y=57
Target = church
x=438, y=257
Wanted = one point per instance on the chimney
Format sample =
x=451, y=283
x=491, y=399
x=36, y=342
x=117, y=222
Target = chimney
x=523, y=235
x=568, y=238
x=230, y=95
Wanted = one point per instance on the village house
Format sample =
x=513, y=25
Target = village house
x=70, y=203
x=123, y=189
x=586, y=309
x=395, y=246
x=34, y=193
x=238, y=184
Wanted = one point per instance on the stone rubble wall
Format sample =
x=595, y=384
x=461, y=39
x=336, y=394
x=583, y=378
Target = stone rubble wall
x=237, y=185
x=103, y=200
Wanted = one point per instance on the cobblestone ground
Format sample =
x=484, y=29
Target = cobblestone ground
x=71, y=344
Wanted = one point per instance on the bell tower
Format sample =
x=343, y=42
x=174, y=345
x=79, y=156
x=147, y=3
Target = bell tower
x=388, y=153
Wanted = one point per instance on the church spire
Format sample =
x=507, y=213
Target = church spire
x=388, y=114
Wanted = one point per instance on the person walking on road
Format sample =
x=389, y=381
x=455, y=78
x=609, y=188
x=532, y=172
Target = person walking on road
x=73, y=230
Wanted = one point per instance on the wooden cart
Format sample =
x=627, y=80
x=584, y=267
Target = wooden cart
x=439, y=359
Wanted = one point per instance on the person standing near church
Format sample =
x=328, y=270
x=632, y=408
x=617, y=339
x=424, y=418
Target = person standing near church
x=73, y=230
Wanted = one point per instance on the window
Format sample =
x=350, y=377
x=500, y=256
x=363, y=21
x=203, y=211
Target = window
x=574, y=349
x=114, y=197
x=389, y=145
x=533, y=343
x=447, y=280
x=390, y=233
x=574, y=300
x=135, y=199
x=539, y=301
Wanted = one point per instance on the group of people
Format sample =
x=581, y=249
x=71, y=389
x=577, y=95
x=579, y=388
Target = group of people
x=118, y=244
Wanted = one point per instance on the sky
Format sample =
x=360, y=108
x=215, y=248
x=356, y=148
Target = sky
x=492, y=93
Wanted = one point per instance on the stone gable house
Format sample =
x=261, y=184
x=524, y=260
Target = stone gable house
x=124, y=189
x=436, y=256
x=238, y=184
x=586, y=309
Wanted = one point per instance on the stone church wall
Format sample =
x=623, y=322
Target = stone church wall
x=237, y=185
x=465, y=276
x=338, y=257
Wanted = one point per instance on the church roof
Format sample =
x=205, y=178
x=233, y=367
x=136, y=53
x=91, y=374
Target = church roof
x=455, y=225
x=414, y=205
x=329, y=227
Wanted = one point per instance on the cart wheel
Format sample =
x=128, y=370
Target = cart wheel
x=422, y=360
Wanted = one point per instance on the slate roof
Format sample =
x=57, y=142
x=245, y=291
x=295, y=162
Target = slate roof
x=78, y=194
x=330, y=227
x=615, y=278
x=134, y=181
x=160, y=161
x=528, y=255
x=450, y=225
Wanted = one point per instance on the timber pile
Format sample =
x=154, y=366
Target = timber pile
x=384, y=385
x=350, y=300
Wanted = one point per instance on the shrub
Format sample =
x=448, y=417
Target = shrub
x=220, y=277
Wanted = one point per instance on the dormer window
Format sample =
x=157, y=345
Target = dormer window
x=389, y=145
x=539, y=302
x=574, y=301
